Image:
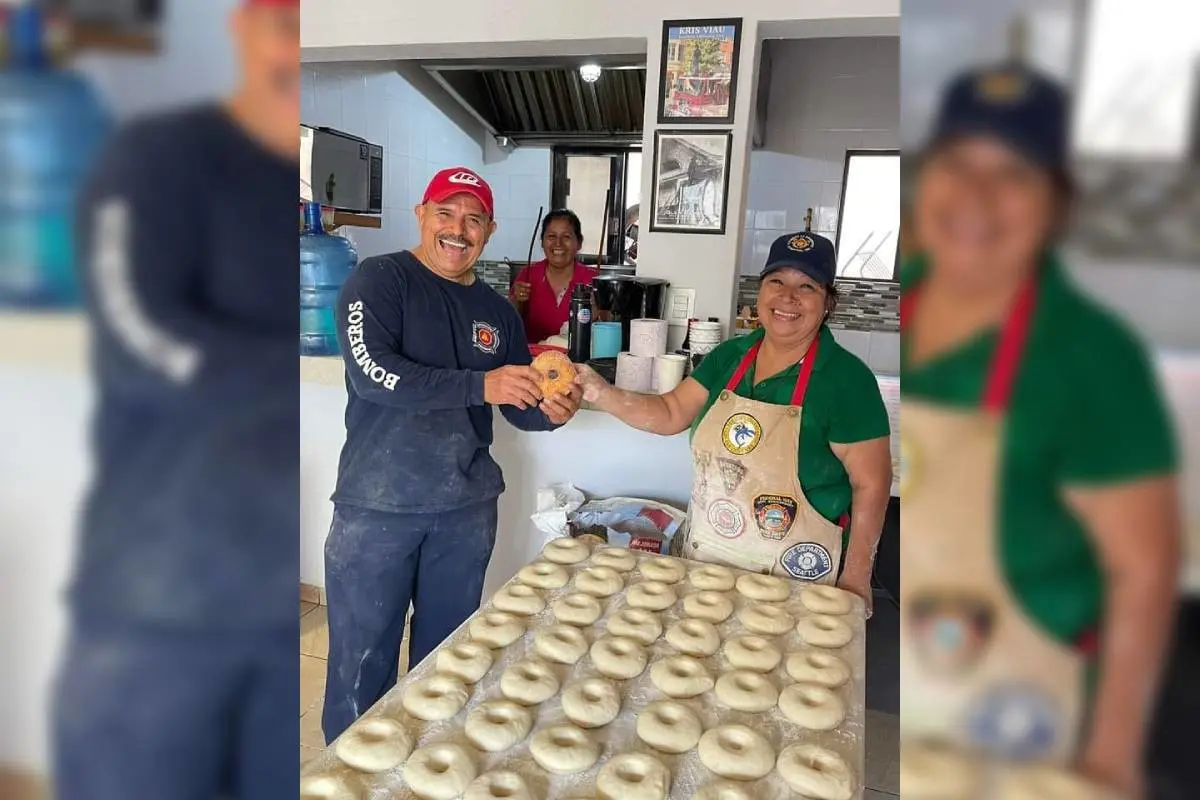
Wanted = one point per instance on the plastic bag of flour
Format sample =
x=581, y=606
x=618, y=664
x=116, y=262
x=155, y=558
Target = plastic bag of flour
x=630, y=522
x=555, y=504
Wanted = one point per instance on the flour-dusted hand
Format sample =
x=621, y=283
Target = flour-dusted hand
x=513, y=385
x=590, y=382
x=860, y=585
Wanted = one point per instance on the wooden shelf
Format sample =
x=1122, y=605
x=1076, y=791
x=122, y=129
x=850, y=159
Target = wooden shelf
x=345, y=219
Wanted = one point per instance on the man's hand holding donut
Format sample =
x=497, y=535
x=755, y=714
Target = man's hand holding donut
x=559, y=408
x=513, y=385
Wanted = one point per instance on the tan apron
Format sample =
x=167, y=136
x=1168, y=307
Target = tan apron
x=975, y=670
x=748, y=509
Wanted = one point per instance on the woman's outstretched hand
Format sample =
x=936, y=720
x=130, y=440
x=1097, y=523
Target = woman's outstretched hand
x=590, y=381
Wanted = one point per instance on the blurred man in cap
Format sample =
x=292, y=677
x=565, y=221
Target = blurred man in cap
x=180, y=679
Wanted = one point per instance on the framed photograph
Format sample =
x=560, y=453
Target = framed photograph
x=697, y=77
x=691, y=181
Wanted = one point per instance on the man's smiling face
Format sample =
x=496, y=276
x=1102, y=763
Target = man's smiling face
x=453, y=234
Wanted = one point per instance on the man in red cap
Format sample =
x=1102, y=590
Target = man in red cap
x=179, y=679
x=429, y=350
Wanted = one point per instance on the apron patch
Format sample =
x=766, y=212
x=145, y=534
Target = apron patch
x=741, y=434
x=774, y=514
x=732, y=473
x=485, y=337
x=726, y=518
x=951, y=631
x=807, y=561
x=700, y=481
x=1017, y=722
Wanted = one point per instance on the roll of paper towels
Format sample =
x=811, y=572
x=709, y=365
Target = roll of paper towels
x=634, y=373
x=648, y=337
x=668, y=371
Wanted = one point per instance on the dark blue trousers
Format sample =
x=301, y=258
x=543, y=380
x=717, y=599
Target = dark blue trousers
x=376, y=564
x=174, y=715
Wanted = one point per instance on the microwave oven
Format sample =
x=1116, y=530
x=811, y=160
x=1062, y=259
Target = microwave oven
x=341, y=171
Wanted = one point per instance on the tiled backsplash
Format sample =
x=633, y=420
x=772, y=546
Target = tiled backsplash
x=862, y=305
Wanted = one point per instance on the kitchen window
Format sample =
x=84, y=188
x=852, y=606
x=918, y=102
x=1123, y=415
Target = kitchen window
x=869, y=217
x=603, y=186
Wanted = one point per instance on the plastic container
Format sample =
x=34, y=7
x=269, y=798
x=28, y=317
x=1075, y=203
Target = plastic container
x=606, y=339
x=325, y=263
x=52, y=123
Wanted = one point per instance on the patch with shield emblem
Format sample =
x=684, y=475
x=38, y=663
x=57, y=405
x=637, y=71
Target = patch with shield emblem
x=732, y=473
x=774, y=515
x=1015, y=722
x=950, y=629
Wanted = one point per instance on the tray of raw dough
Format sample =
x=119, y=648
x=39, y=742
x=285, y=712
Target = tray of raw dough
x=605, y=673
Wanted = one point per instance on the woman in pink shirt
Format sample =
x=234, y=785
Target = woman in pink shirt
x=542, y=290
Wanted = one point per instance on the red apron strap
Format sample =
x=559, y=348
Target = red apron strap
x=740, y=372
x=806, y=368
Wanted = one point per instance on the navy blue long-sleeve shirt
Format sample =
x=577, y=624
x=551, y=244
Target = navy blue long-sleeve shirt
x=416, y=348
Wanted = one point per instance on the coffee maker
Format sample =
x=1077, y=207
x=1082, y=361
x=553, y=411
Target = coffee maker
x=624, y=298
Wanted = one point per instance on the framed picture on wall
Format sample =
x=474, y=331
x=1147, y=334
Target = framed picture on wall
x=697, y=75
x=691, y=181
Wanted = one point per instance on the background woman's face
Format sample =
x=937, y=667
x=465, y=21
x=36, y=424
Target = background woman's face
x=560, y=244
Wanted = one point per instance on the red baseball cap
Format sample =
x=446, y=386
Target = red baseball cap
x=459, y=180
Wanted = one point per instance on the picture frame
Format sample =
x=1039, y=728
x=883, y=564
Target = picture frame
x=691, y=181
x=698, y=71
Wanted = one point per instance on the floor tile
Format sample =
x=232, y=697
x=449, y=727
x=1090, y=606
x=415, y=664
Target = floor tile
x=306, y=607
x=310, y=594
x=312, y=681
x=869, y=794
x=310, y=727
x=882, y=768
x=314, y=633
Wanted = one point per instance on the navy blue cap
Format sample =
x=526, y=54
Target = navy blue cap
x=1017, y=105
x=811, y=254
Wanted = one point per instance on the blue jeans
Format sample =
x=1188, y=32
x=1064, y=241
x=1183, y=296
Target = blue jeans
x=376, y=564
x=175, y=715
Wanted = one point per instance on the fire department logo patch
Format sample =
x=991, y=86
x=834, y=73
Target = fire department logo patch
x=741, y=434
x=800, y=243
x=774, y=514
x=807, y=561
x=726, y=518
x=1001, y=86
x=951, y=630
x=485, y=337
x=1015, y=722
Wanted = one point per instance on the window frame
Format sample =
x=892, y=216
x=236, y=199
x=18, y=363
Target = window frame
x=869, y=152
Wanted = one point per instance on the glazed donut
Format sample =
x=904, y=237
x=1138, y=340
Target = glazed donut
x=439, y=772
x=374, y=744
x=591, y=703
x=617, y=558
x=497, y=725
x=816, y=772
x=736, y=752
x=651, y=595
x=436, y=698
x=635, y=623
x=721, y=790
x=810, y=706
x=528, y=682
x=680, y=676
x=566, y=550
x=810, y=665
x=694, y=637
x=557, y=371
x=826, y=599
x=821, y=630
x=467, y=661
x=751, y=652
x=770, y=620
x=562, y=644
x=618, y=657
x=663, y=569
x=577, y=609
x=712, y=606
x=332, y=786
x=499, y=785
x=543, y=575
x=563, y=749
x=599, y=581
x=495, y=629
x=743, y=690
x=669, y=726
x=712, y=578
x=517, y=598
x=1045, y=782
x=763, y=588
x=935, y=770
x=633, y=776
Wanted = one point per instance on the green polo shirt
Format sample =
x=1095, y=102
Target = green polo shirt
x=1085, y=411
x=842, y=405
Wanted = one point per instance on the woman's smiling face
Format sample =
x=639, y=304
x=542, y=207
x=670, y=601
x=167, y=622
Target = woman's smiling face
x=560, y=244
x=791, y=305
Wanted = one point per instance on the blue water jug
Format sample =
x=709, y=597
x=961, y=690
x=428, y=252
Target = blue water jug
x=51, y=124
x=325, y=263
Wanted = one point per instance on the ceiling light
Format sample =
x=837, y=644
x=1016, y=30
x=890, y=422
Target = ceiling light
x=590, y=72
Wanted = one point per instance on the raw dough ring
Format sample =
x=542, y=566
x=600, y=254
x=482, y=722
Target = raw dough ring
x=617, y=558
x=496, y=629
x=577, y=609
x=374, y=744
x=811, y=706
x=736, y=752
x=562, y=644
x=721, y=790
x=636, y=623
x=669, y=726
x=497, y=725
x=543, y=575
x=529, y=682
x=566, y=550
x=663, y=569
x=651, y=595
x=712, y=578
x=436, y=698
x=712, y=606
x=763, y=588
x=938, y=771
x=599, y=581
x=810, y=665
x=821, y=630
x=771, y=620
x=467, y=661
x=329, y=786
x=557, y=371
x=439, y=772
x=499, y=785
x=591, y=703
x=633, y=776
x=694, y=637
x=517, y=598
x=618, y=657
x=752, y=652
x=826, y=599
x=563, y=749
x=743, y=690
x=816, y=772
x=680, y=676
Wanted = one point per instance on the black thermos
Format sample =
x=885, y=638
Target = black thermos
x=579, y=326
